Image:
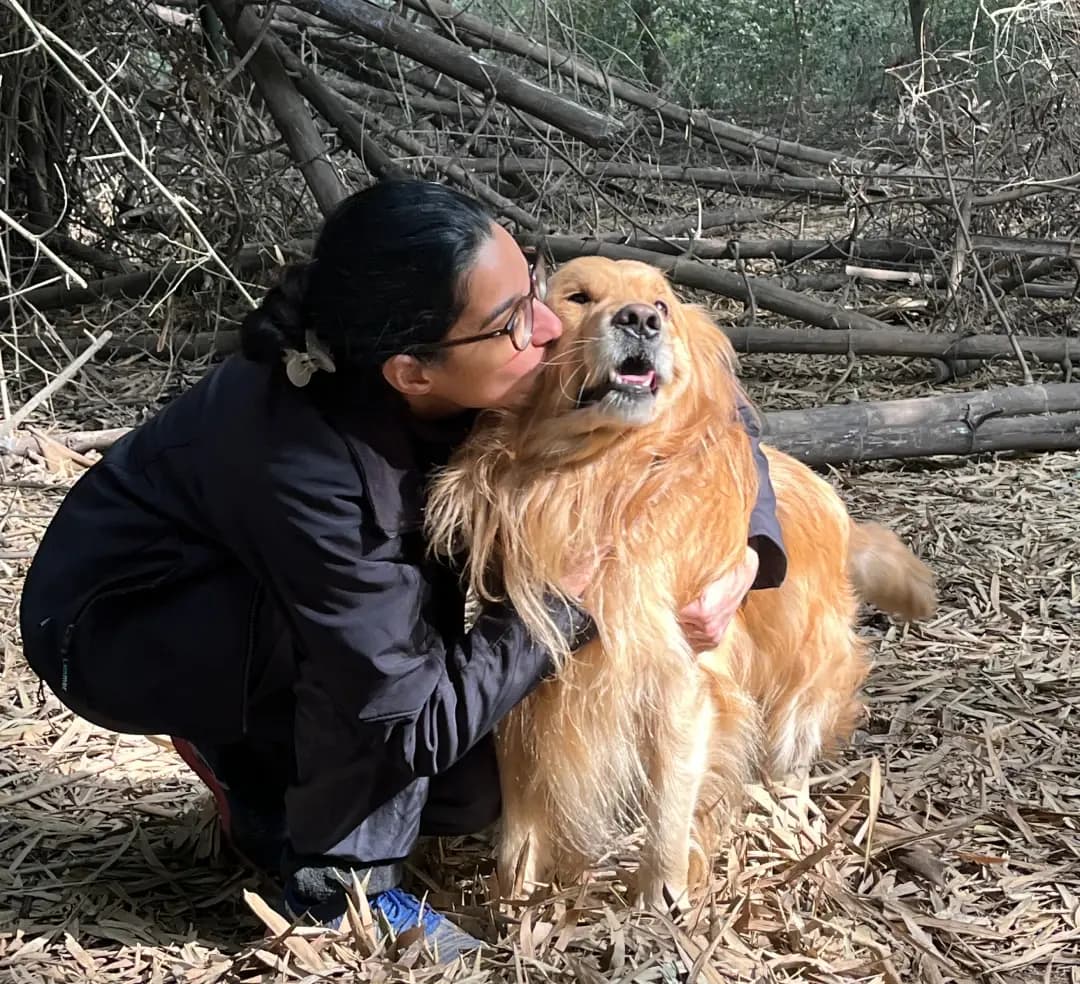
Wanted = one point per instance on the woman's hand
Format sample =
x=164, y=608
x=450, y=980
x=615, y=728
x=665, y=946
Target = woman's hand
x=706, y=621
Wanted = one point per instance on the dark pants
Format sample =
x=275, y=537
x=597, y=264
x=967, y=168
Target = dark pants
x=131, y=665
x=463, y=800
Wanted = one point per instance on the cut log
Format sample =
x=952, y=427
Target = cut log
x=391, y=31
x=891, y=342
x=1019, y=418
x=748, y=182
x=761, y=291
x=288, y=109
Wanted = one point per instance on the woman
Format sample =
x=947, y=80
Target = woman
x=246, y=570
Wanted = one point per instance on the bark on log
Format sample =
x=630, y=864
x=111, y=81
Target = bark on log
x=1020, y=418
x=290, y=113
x=766, y=293
x=891, y=342
x=391, y=31
x=794, y=341
x=745, y=181
x=1020, y=246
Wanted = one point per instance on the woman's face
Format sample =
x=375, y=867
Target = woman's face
x=489, y=373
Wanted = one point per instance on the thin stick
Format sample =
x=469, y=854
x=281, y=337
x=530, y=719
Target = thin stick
x=38, y=244
x=41, y=32
x=58, y=381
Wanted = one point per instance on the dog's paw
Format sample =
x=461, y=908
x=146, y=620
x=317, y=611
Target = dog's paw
x=667, y=898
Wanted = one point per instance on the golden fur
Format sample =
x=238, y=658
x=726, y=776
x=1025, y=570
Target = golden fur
x=635, y=728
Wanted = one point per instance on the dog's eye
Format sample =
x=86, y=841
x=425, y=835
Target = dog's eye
x=579, y=297
x=662, y=308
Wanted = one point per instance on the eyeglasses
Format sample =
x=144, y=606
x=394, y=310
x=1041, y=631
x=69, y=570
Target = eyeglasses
x=519, y=326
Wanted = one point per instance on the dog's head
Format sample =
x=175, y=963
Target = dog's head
x=638, y=386
x=629, y=348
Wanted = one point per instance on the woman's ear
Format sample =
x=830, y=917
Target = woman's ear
x=407, y=374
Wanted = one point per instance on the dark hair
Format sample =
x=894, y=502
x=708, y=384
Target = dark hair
x=386, y=276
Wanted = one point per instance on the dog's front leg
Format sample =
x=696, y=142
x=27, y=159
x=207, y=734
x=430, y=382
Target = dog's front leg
x=524, y=855
x=677, y=767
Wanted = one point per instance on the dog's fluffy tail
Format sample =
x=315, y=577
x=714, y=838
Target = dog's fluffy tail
x=887, y=575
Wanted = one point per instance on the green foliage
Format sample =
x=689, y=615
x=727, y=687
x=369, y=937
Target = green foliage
x=757, y=58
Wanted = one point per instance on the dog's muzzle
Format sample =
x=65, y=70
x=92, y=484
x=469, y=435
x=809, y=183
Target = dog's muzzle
x=630, y=349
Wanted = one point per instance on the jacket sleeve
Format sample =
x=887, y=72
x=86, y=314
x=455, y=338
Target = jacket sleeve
x=765, y=535
x=373, y=671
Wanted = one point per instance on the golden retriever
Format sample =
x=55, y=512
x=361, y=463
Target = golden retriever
x=632, y=449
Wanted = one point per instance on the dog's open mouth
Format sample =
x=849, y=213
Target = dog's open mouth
x=634, y=378
x=634, y=375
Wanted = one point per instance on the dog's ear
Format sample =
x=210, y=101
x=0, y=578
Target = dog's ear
x=704, y=337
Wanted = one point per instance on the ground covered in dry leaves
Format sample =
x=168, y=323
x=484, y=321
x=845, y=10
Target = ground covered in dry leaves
x=942, y=846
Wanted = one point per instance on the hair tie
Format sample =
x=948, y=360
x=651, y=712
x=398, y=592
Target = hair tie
x=301, y=366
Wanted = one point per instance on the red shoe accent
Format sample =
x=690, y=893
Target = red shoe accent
x=190, y=754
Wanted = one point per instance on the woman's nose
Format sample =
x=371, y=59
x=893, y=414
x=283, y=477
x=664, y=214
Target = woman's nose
x=546, y=324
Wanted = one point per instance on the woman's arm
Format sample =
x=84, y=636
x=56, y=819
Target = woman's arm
x=372, y=671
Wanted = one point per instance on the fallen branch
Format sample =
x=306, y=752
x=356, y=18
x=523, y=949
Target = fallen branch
x=391, y=31
x=1019, y=418
x=891, y=342
x=78, y=441
x=1031, y=248
x=761, y=291
x=748, y=182
x=335, y=110
x=287, y=107
x=58, y=382
x=789, y=250
x=146, y=283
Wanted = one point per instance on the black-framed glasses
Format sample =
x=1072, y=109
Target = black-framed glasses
x=519, y=326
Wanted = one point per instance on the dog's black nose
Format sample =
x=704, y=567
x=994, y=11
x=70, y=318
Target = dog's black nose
x=639, y=320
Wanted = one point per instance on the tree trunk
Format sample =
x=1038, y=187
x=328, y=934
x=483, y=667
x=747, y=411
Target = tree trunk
x=917, y=13
x=652, y=61
x=1020, y=418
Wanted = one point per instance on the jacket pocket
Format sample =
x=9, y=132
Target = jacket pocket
x=168, y=656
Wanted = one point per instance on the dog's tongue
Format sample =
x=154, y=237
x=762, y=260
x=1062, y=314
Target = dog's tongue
x=637, y=379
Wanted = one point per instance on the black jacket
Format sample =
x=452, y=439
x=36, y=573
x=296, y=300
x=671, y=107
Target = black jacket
x=253, y=540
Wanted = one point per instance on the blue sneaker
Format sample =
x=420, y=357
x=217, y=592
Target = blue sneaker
x=397, y=912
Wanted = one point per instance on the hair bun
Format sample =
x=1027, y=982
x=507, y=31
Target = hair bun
x=278, y=323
